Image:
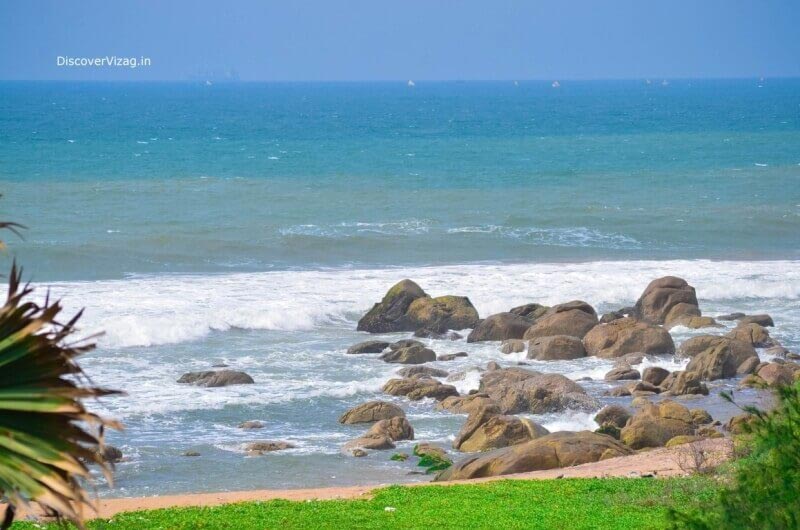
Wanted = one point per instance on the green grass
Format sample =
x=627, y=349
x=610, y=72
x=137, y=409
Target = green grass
x=565, y=503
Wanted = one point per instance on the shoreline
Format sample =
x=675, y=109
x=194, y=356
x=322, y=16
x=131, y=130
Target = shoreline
x=657, y=463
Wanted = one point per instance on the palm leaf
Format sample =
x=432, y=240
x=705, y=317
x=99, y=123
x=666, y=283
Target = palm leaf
x=47, y=436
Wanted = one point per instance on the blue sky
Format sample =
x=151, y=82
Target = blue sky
x=422, y=40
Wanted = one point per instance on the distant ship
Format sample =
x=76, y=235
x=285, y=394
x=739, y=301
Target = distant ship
x=648, y=82
x=555, y=84
x=664, y=82
x=208, y=83
x=411, y=83
x=516, y=83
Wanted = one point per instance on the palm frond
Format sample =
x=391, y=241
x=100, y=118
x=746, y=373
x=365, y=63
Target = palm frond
x=47, y=436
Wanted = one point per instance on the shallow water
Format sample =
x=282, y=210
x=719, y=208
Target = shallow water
x=253, y=224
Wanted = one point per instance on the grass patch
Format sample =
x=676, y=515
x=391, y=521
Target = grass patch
x=617, y=503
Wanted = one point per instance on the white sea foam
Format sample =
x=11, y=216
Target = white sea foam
x=151, y=310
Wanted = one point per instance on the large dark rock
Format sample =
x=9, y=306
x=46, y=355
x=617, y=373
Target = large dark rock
x=560, y=449
x=389, y=314
x=371, y=411
x=661, y=296
x=529, y=311
x=368, y=346
x=519, y=390
x=615, y=415
x=654, y=375
x=701, y=343
x=622, y=373
x=762, y=320
x=501, y=326
x=216, y=378
x=573, y=318
x=556, y=348
x=683, y=383
x=627, y=335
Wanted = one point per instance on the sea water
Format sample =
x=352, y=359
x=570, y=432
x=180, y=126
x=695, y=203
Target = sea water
x=253, y=224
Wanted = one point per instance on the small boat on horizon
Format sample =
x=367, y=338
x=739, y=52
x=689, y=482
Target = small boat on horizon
x=556, y=84
x=411, y=83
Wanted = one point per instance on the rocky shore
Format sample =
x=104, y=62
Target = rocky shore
x=499, y=439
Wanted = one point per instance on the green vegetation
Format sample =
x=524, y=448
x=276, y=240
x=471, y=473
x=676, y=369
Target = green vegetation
x=47, y=436
x=566, y=503
x=765, y=487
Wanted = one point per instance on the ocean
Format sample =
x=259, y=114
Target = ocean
x=253, y=224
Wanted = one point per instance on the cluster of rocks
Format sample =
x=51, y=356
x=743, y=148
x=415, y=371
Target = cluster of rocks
x=506, y=443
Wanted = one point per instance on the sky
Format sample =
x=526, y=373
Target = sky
x=327, y=40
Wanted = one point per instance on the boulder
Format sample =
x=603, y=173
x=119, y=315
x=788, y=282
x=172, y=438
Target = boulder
x=654, y=375
x=643, y=388
x=682, y=439
x=731, y=316
x=389, y=315
x=661, y=296
x=405, y=343
x=719, y=361
x=573, y=318
x=556, y=348
x=692, y=322
x=740, y=424
x=776, y=374
x=409, y=355
x=419, y=388
x=519, y=390
x=464, y=404
x=753, y=334
x=480, y=413
x=701, y=343
x=432, y=450
x=682, y=383
x=654, y=425
x=368, y=346
x=700, y=417
x=442, y=334
x=216, y=378
x=615, y=415
x=110, y=454
x=560, y=449
x=396, y=428
x=442, y=313
x=622, y=373
x=627, y=335
x=620, y=391
x=762, y=320
x=501, y=431
x=611, y=316
x=359, y=445
x=251, y=424
x=501, y=326
x=422, y=371
x=529, y=311
x=681, y=311
x=371, y=411
x=513, y=346
x=259, y=448
x=451, y=356
x=748, y=366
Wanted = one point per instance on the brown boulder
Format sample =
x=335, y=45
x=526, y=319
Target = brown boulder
x=371, y=411
x=776, y=374
x=396, y=428
x=719, y=361
x=529, y=311
x=752, y=334
x=410, y=355
x=654, y=375
x=655, y=425
x=661, y=295
x=216, y=378
x=627, y=335
x=681, y=383
x=556, y=348
x=519, y=390
x=419, y=388
x=368, y=346
x=700, y=343
x=573, y=318
x=513, y=346
x=560, y=449
x=464, y=404
x=621, y=373
x=501, y=431
x=442, y=313
x=422, y=371
x=389, y=314
x=615, y=415
x=501, y=326
x=259, y=448
x=355, y=447
x=762, y=320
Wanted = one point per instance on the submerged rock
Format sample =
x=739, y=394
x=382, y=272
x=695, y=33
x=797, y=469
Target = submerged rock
x=622, y=373
x=216, y=378
x=560, y=449
x=251, y=424
x=451, y=356
x=501, y=326
x=424, y=371
x=368, y=346
x=371, y=411
x=259, y=448
x=419, y=388
x=465, y=404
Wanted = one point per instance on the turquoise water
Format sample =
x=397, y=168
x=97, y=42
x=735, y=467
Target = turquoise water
x=253, y=224
x=143, y=178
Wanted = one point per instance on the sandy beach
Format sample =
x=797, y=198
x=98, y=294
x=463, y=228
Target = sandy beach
x=662, y=462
